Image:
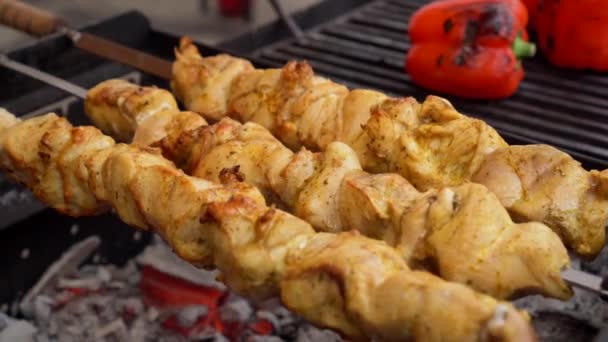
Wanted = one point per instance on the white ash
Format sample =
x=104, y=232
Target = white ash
x=4, y=321
x=152, y=314
x=208, y=334
x=109, y=314
x=89, y=283
x=308, y=333
x=138, y=330
x=212, y=337
x=262, y=338
x=599, y=265
x=116, y=328
x=74, y=229
x=584, y=305
x=105, y=303
x=16, y=330
x=161, y=257
x=187, y=316
x=67, y=263
x=236, y=309
x=42, y=307
x=104, y=275
x=15, y=197
x=25, y=253
x=100, y=316
x=134, y=306
x=14, y=308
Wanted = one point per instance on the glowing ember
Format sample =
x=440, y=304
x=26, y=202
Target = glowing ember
x=142, y=302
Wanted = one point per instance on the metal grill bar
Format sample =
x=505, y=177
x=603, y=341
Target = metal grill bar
x=366, y=48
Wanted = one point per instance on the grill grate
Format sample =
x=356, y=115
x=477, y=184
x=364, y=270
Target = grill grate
x=365, y=48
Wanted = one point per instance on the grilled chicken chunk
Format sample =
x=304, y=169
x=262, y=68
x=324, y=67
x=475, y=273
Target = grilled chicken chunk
x=541, y=183
x=358, y=286
x=429, y=143
x=462, y=233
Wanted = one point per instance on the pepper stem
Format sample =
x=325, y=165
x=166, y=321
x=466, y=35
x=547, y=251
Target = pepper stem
x=522, y=48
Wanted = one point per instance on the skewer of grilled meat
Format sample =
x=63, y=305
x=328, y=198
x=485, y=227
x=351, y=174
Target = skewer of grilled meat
x=462, y=233
x=429, y=143
x=356, y=285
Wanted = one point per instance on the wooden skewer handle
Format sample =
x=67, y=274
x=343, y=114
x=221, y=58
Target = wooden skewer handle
x=27, y=18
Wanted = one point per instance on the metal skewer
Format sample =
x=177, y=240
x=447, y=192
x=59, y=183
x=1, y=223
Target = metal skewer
x=43, y=77
x=574, y=277
x=295, y=30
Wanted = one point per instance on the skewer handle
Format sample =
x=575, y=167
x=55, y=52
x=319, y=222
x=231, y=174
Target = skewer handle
x=28, y=19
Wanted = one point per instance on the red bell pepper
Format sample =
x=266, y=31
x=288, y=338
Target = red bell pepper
x=574, y=33
x=532, y=6
x=234, y=8
x=469, y=48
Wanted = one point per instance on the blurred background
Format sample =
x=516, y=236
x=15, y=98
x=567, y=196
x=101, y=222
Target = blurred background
x=209, y=21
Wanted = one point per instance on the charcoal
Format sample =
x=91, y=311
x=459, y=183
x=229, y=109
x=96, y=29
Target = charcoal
x=99, y=302
x=170, y=338
x=15, y=197
x=560, y=327
x=90, y=283
x=308, y=333
x=42, y=338
x=88, y=269
x=116, y=328
x=133, y=279
x=42, y=307
x=285, y=317
x=236, y=309
x=138, y=330
x=104, y=275
x=584, y=305
x=16, y=330
x=90, y=322
x=263, y=338
x=52, y=329
x=133, y=305
x=104, y=303
x=65, y=337
x=152, y=314
x=271, y=305
x=25, y=253
x=187, y=316
x=269, y=316
x=14, y=309
x=117, y=285
x=599, y=265
x=220, y=338
x=4, y=321
x=74, y=229
x=209, y=336
x=74, y=330
x=289, y=332
x=161, y=257
x=97, y=258
x=68, y=263
x=284, y=322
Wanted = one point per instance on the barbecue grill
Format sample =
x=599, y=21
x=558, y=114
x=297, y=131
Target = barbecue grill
x=358, y=43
